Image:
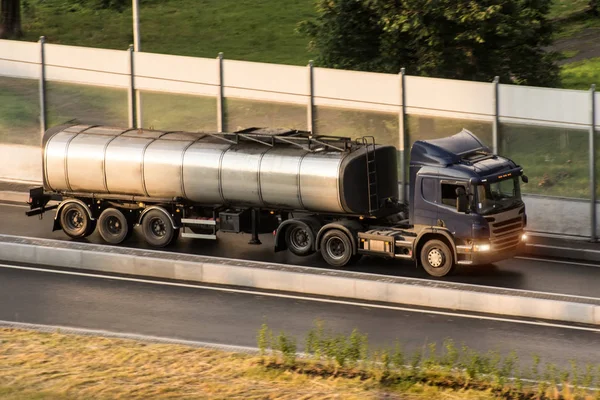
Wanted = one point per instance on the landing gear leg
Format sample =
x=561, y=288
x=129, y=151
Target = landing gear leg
x=255, y=222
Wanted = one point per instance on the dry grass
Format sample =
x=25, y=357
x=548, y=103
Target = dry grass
x=37, y=365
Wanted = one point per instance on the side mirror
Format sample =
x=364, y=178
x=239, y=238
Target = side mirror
x=461, y=200
x=524, y=178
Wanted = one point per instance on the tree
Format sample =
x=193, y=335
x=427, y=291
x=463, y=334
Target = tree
x=10, y=19
x=594, y=7
x=458, y=39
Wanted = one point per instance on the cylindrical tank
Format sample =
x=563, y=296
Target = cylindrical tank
x=208, y=170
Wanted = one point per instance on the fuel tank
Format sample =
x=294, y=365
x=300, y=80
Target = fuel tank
x=208, y=170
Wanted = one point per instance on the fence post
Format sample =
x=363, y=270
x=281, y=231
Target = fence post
x=310, y=107
x=496, y=123
x=137, y=48
x=403, y=134
x=42, y=87
x=220, y=95
x=593, y=162
x=131, y=91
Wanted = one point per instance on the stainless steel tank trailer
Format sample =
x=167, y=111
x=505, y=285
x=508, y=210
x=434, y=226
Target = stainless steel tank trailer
x=325, y=194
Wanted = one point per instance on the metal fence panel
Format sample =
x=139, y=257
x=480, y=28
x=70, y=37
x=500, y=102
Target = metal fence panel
x=449, y=98
x=523, y=104
x=175, y=111
x=178, y=74
x=267, y=82
x=597, y=110
x=358, y=90
x=19, y=59
x=87, y=66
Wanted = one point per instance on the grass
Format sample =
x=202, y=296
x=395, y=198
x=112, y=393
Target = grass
x=58, y=366
x=579, y=75
x=251, y=30
x=36, y=365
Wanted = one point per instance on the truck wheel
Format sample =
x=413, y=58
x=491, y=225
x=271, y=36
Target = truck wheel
x=436, y=258
x=75, y=221
x=157, y=229
x=298, y=240
x=113, y=226
x=176, y=236
x=336, y=248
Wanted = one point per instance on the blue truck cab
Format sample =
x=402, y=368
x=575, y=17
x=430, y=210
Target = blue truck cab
x=464, y=208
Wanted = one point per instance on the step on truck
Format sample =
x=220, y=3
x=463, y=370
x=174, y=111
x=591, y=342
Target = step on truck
x=317, y=194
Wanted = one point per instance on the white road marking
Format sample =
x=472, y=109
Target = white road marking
x=562, y=248
x=558, y=261
x=13, y=205
x=306, y=298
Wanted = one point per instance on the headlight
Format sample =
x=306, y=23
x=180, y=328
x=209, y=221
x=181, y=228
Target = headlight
x=481, y=247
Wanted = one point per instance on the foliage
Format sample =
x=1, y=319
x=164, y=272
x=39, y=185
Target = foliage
x=448, y=38
x=594, y=7
x=329, y=354
x=10, y=19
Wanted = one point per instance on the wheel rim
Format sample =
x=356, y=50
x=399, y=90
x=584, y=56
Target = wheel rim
x=336, y=248
x=158, y=227
x=436, y=258
x=74, y=220
x=299, y=238
x=114, y=225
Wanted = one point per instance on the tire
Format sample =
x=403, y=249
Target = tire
x=75, y=221
x=437, y=259
x=176, y=237
x=113, y=226
x=336, y=248
x=299, y=240
x=157, y=228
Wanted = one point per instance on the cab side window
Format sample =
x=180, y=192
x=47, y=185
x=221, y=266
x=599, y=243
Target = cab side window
x=449, y=194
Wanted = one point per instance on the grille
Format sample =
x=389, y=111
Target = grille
x=506, y=235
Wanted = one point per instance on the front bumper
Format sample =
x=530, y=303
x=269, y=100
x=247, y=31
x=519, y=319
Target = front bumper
x=469, y=255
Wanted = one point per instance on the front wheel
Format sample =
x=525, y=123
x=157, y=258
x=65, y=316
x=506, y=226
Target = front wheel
x=336, y=248
x=437, y=259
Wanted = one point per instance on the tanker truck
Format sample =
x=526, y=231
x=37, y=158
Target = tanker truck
x=316, y=194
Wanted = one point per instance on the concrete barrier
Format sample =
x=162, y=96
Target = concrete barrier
x=305, y=280
x=20, y=162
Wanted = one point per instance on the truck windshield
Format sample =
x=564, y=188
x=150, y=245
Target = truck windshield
x=498, y=196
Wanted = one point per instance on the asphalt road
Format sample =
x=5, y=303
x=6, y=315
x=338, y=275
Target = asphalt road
x=545, y=276
x=234, y=318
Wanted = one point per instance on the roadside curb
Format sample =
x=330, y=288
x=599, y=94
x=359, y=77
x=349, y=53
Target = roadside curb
x=305, y=280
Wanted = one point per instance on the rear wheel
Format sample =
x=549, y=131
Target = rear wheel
x=336, y=248
x=436, y=258
x=75, y=221
x=157, y=228
x=299, y=240
x=113, y=226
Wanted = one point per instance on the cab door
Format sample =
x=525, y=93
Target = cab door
x=458, y=223
x=426, y=200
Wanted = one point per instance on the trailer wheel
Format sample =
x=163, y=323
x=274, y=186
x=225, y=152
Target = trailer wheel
x=75, y=221
x=113, y=226
x=299, y=240
x=157, y=228
x=336, y=248
x=436, y=258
